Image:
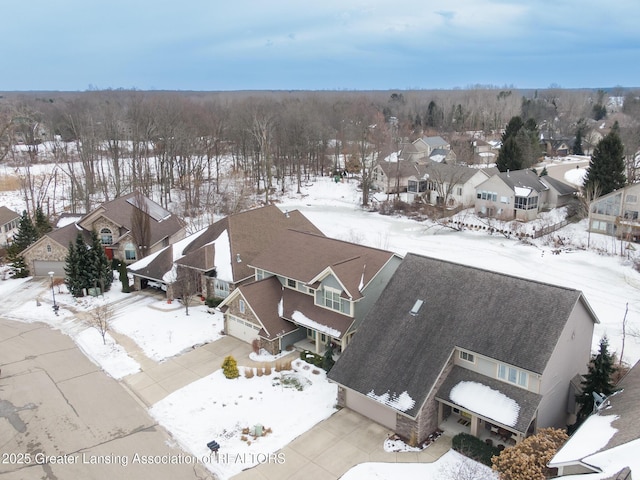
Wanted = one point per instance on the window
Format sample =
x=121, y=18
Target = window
x=129, y=251
x=512, y=375
x=459, y=191
x=504, y=200
x=48, y=248
x=467, y=356
x=491, y=196
x=106, y=237
x=332, y=299
x=241, y=306
x=412, y=186
x=259, y=274
x=632, y=198
x=526, y=203
x=292, y=283
x=630, y=215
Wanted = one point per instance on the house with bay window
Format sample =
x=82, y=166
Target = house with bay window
x=616, y=213
x=130, y=227
x=308, y=291
x=520, y=195
x=447, y=345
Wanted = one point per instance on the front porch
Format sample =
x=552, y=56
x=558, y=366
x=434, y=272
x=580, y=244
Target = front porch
x=485, y=431
x=317, y=342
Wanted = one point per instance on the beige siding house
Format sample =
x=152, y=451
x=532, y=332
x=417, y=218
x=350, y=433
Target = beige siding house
x=617, y=213
x=9, y=222
x=442, y=354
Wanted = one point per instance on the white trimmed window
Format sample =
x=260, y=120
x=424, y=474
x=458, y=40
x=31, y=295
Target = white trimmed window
x=513, y=375
x=106, y=237
x=129, y=251
x=242, y=306
x=468, y=357
x=331, y=298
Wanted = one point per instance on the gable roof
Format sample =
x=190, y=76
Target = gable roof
x=121, y=210
x=244, y=234
x=485, y=312
x=435, y=142
x=525, y=179
x=62, y=236
x=307, y=257
x=559, y=186
x=7, y=215
x=443, y=172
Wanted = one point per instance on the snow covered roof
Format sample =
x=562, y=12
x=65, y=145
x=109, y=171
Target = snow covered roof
x=500, y=402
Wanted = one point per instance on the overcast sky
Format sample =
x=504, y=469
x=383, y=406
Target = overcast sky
x=317, y=45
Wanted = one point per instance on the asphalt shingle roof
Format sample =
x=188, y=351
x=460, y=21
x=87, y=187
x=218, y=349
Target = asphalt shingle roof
x=489, y=313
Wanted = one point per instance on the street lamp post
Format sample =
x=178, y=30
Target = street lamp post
x=53, y=294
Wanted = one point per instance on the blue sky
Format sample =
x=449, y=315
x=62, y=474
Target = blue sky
x=322, y=45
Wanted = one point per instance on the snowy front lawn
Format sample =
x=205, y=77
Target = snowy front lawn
x=109, y=355
x=163, y=330
x=216, y=408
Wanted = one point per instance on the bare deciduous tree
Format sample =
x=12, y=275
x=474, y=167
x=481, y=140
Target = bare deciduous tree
x=100, y=319
x=187, y=286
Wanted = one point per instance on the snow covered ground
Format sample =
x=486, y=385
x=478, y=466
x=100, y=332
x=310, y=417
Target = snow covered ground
x=195, y=415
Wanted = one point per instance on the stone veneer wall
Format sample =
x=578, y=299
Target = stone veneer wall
x=427, y=420
x=271, y=346
x=39, y=252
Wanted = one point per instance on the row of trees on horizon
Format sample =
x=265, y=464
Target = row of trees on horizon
x=206, y=151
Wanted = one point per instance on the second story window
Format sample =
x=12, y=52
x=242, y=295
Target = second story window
x=467, y=356
x=106, y=237
x=291, y=283
x=512, y=375
x=332, y=299
x=241, y=306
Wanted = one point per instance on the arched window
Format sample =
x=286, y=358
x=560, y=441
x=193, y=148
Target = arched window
x=106, y=237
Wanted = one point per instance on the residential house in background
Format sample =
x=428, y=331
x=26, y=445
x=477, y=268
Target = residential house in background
x=447, y=344
x=129, y=227
x=607, y=443
x=422, y=149
x=9, y=222
x=309, y=290
x=520, y=195
x=616, y=213
x=222, y=252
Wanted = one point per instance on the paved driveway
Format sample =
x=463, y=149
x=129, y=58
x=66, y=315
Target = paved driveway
x=59, y=412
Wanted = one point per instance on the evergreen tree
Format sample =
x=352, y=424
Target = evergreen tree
x=19, y=266
x=544, y=172
x=510, y=155
x=327, y=360
x=597, y=379
x=26, y=234
x=42, y=224
x=98, y=265
x=607, y=168
x=124, y=278
x=577, y=144
x=73, y=277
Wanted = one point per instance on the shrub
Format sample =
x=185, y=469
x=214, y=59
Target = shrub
x=230, y=367
x=267, y=370
x=255, y=345
x=213, y=302
x=312, y=358
x=474, y=448
x=248, y=372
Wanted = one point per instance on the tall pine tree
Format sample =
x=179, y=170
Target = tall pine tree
x=606, y=168
x=98, y=265
x=597, y=379
x=24, y=237
x=41, y=223
x=520, y=147
x=73, y=276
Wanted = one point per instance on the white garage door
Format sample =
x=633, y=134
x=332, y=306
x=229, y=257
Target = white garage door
x=242, y=329
x=42, y=268
x=372, y=409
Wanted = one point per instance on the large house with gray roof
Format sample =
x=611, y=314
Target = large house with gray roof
x=450, y=342
x=606, y=445
x=309, y=290
x=9, y=222
x=129, y=227
x=222, y=253
x=520, y=195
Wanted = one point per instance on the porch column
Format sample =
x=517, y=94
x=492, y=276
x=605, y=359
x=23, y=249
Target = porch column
x=474, y=425
x=440, y=413
x=317, y=342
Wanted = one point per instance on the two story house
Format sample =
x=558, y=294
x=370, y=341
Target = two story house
x=9, y=222
x=520, y=195
x=130, y=227
x=616, y=213
x=447, y=341
x=606, y=445
x=309, y=289
x=221, y=253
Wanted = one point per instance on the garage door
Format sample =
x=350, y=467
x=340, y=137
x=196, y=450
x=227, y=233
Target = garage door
x=242, y=329
x=42, y=268
x=372, y=409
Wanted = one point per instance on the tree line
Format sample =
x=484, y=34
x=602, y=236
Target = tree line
x=207, y=151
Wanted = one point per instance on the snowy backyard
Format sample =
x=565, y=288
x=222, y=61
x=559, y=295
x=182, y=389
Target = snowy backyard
x=215, y=407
